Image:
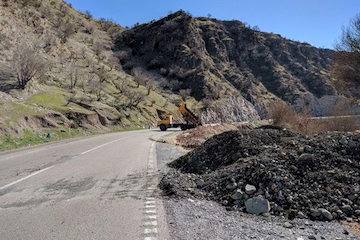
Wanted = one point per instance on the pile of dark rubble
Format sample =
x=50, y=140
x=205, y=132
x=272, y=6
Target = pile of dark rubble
x=274, y=171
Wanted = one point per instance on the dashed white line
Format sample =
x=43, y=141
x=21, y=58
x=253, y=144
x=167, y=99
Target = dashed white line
x=150, y=211
x=45, y=169
x=152, y=223
x=24, y=178
x=100, y=146
x=150, y=216
x=150, y=238
x=150, y=230
x=150, y=207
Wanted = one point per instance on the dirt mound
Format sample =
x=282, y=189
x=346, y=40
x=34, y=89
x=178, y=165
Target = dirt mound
x=195, y=137
x=310, y=177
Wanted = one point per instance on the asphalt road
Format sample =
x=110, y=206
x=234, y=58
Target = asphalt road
x=102, y=187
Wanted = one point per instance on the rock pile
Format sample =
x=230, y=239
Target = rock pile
x=276, y=171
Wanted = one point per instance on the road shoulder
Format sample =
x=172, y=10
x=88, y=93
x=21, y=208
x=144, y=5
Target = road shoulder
x=200, y=219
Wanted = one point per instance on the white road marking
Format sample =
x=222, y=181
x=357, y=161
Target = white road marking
x=45, y=169
x=150, y=238
x=24, y=178
x=150, y=216
x=42, y=148
x=152, y=223
x=150, y=230
x=150, y=207
x=100, y=146
x=150, y=211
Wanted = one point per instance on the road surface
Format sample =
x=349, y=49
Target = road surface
x=96, y=188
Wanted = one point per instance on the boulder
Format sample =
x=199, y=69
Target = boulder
x=257, y=205
x=325, y=214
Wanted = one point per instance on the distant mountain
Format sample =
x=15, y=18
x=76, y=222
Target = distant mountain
x=216, y=59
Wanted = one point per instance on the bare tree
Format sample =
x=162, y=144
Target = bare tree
x=73, y=75
x=96, y=87
x=65, y=28
x=135, y=98
x=48, y=41
x=27, y=64
x=113, y=62
x=100, y=49
x=346, y=67
x=144, y=78
x=102, y=74
x=121, y=86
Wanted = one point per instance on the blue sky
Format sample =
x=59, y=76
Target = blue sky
x=318, y=22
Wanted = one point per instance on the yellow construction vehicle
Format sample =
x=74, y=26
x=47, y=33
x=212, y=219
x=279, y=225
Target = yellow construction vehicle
x=167, y=120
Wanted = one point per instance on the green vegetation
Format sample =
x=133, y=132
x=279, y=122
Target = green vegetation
x=49, y=100
x=29, y=138
x=56, y=101
x=12, y=112
x=32, y=138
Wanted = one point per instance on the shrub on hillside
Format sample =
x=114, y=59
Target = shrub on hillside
x=27, y=64
x=283, y=115
x=346, y=67
x=65, y=28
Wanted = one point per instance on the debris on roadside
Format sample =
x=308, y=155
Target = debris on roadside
x=275, y=171
x=195, y=137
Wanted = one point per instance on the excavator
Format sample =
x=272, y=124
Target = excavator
x=167, y=120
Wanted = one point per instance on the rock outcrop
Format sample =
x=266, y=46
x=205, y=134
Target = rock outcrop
x=216, y=59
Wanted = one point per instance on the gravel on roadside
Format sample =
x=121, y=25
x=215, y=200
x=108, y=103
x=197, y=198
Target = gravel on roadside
x=200, y=219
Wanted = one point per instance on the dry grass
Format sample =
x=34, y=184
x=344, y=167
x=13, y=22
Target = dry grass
x=340, y=120
x=195, y=137
x=283, y=115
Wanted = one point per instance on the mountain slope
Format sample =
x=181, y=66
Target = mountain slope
x=216, y=59
x=80, y=85
x=94, y=74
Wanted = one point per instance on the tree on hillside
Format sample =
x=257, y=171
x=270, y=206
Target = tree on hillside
x=65, y=28
x=144, y=78
x=346, y=68
x=27, y=64
x=73, y=75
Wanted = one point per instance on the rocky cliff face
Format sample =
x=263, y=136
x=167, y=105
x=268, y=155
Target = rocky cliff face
x=216, y=59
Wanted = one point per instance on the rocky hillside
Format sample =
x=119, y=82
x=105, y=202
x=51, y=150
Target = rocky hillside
x=215, y=59
x=60, y=68
x=57, y=70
